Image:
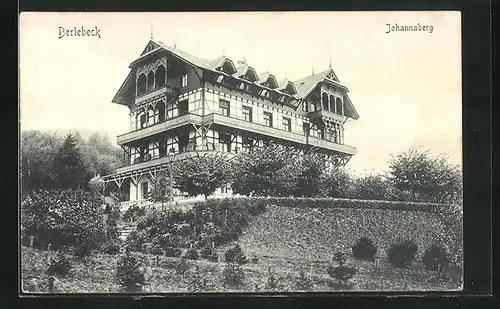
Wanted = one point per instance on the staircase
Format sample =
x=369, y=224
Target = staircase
x=126, y=229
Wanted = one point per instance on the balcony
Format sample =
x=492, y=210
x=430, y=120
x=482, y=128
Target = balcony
x=254, y=128
x=277, y=133
x=156, y=92
x=325, y=114
x=160, y=161
x=168, y=124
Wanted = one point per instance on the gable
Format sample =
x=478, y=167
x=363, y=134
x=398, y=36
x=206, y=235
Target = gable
x=150, y=47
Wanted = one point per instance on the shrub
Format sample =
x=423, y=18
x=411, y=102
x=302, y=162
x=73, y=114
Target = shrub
x=233, y=275
x=111, y=246
x=206, y=252
x=198, y=281
x=181, y=266
x=402, y=254
x=364, y=249
x=235, y=255
x=304, y=282
x=173, y=252
x=153, y=248
x=254, y=259
x=129, y=273
x=191, y=254
x=59, y=265
x=133, y=213
x=63, y=218
x=435, y=256
x=272, y=282
x=341, y=273
x=135, y=241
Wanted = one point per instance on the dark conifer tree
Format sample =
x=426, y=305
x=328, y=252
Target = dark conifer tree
x=68, y=165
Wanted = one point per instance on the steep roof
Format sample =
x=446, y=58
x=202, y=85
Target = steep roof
x=307, y=84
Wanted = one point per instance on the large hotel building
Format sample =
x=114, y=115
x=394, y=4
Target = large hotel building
x=182, y=105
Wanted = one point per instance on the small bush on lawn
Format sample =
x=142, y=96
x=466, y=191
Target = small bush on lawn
x=304, y=282
x=181, y=266
x=254, y=259
x=434, y=256
x=111, y=246
x=235, y=255
x=129, y=273
x=341, y=273
x=59, y=265
x=364, y=249
x=272, y=282
x=232, y=275
x=153, y=248
x=191, y=254
x=173, y=252
x=402, y=254
x=198, y=281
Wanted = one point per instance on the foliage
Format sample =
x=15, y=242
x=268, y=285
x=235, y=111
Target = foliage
x=153, y=248
x=425, y=177
x=198, y=281
x=401, y=254
x=235, y=255
x=172, y=252
x=206, y=252
x=201, y=174
x=69, y=217
x=364, y=249
x=111, y=246
x=254, y=259
x=212, y=221
x=129, y=273
x=341, y=273
x=232, y=275
x=160, y=191
x=135, y=240
x=451, y=215
x=266, y=171
x=133, y=213
x=181, y=266
x=100, y=156
x=37, y=150
x=338, y=183
x=311, y=179
x=68, y=165
x=435, y=256
x=59, y=265
x=370, y=187
x=304, y=282
x=190, y=253
x=272, y=282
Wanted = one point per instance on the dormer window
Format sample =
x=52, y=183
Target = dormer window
x=242, y=86
x=264, y=93
x=184, y=80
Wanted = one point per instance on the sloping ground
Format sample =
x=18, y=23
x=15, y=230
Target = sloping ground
x=314, y=234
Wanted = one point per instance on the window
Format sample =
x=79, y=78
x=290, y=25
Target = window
x=242, y=86
x=220, y=78
x=268, y=119
x=184, y=80
x=304, y=106
x=305, y=128
x=183, y=107
x=247, y=113
x=144, y=120
x=225, y=189
x=247, y=144
x=183, y=140
x=225, y=142
x=145, y=189
x=287, y=124
x=224, y=107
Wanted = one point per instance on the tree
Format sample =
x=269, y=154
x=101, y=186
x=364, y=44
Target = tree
x=370, y=187
x=338, y=182
x=160, y=191
x=311, y=179
x=425, y=177
x=68, y=165
x=268, y=170
x=201, y=174
x=38, y=150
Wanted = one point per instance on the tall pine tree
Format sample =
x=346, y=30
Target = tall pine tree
x=68, y=165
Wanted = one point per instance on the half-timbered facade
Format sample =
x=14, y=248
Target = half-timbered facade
x=181, y=105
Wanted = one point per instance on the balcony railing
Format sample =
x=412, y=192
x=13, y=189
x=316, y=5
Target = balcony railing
x=168, y=124
x=325, y=114
x=157, y=91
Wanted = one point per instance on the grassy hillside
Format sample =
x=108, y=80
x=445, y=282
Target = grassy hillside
x=315, y=233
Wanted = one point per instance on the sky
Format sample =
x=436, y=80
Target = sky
x=406, y=86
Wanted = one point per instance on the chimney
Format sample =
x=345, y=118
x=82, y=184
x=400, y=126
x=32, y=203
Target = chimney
x=241, y=62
